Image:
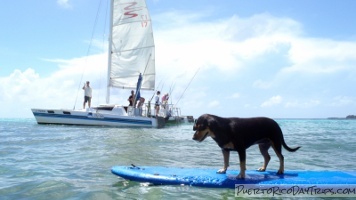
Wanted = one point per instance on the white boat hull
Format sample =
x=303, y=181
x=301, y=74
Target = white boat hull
x=96, y=117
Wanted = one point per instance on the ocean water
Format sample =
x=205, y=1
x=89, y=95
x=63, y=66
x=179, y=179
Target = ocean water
x=74, y=162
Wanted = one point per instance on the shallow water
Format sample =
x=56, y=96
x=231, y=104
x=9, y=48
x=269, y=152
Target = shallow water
x=74, y=162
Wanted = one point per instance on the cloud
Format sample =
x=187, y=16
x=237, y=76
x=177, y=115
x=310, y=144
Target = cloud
x=224, y=44
x=261, y=84
x=214, y=104
x=15, y=87
x=64, y=3
x=275, y=100
x=61, y=89
x=320, y=56
x=235, y=96
x=340, y=101
x=302, y=103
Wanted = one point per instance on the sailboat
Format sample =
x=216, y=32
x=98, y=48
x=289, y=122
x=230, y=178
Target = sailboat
x=131, y=65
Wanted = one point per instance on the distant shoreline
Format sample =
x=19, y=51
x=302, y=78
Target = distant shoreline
x=347, y=117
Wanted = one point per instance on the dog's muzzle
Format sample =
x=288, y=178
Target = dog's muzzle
x=199, y=128
x=200, y=139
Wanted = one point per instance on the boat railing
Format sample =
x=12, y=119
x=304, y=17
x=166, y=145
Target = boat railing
x=147, y=110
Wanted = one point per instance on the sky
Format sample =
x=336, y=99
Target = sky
x=232, y=58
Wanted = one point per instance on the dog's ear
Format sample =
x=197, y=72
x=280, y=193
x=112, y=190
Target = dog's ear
x=211, y=123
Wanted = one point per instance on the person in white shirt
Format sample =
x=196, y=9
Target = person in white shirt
x=87, y=94
x=157, y=102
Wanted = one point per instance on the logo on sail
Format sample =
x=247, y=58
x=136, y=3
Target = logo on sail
x=131, y=11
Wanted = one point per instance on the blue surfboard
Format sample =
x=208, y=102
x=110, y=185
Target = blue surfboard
x=209, y=178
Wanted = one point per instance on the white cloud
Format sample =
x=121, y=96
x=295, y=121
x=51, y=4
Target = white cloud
x=214, y=104
x=28, y=89
x=275, y=100
x=261, y=84
x=320, y=56
x=235, y=96
x=224, y=44
x=64, y=3
x=15, y=87
x=343, y=101
x=302, y=103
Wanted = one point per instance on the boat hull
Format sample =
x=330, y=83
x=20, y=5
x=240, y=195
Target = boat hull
x=95, y=117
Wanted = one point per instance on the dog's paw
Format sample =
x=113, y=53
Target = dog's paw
x=241, y=176
x=261, y=169
x=221, y=171
x=280, y=172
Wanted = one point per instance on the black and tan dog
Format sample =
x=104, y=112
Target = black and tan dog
x=237, y=134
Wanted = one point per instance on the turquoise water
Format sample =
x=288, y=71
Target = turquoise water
x=74, y=162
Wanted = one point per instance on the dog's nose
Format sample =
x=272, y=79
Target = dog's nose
x=194, y=137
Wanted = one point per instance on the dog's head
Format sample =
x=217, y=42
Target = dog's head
x=202, y=128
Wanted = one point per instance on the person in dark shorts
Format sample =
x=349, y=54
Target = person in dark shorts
x=157, y=102
x=87, y=94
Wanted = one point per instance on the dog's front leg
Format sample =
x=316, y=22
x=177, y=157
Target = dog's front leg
x=226, y=155
x=242, y=156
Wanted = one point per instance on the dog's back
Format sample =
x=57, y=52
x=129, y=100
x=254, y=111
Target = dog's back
x=252, y=130
x=246, y=130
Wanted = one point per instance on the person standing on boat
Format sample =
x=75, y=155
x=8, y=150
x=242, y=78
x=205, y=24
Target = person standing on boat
x=140, y=100
x=157, y=102
x=165, y=100
x=87, y=94
x=131, y=98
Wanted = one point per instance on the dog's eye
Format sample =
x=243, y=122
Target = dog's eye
x=195, y=127
x=198, y=128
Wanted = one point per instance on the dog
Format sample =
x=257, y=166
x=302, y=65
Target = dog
x=238, y=134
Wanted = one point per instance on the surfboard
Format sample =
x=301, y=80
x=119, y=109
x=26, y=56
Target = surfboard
x=209, y=178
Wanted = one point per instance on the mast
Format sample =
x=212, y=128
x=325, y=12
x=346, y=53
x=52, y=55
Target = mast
x=109, y=52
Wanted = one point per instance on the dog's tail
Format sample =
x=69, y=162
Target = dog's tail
x=288, y=148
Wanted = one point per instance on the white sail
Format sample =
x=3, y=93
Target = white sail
x=131, y=46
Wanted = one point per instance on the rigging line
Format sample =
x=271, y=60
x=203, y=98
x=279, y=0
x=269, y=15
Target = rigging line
x=90, y=44
x=162, y=87
x=171, y=91
x=103, y=42
x=144, y=71
x=157, y=89
x=187, y=86
x=148, y=61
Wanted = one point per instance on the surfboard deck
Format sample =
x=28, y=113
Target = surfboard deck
x=209, y=178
